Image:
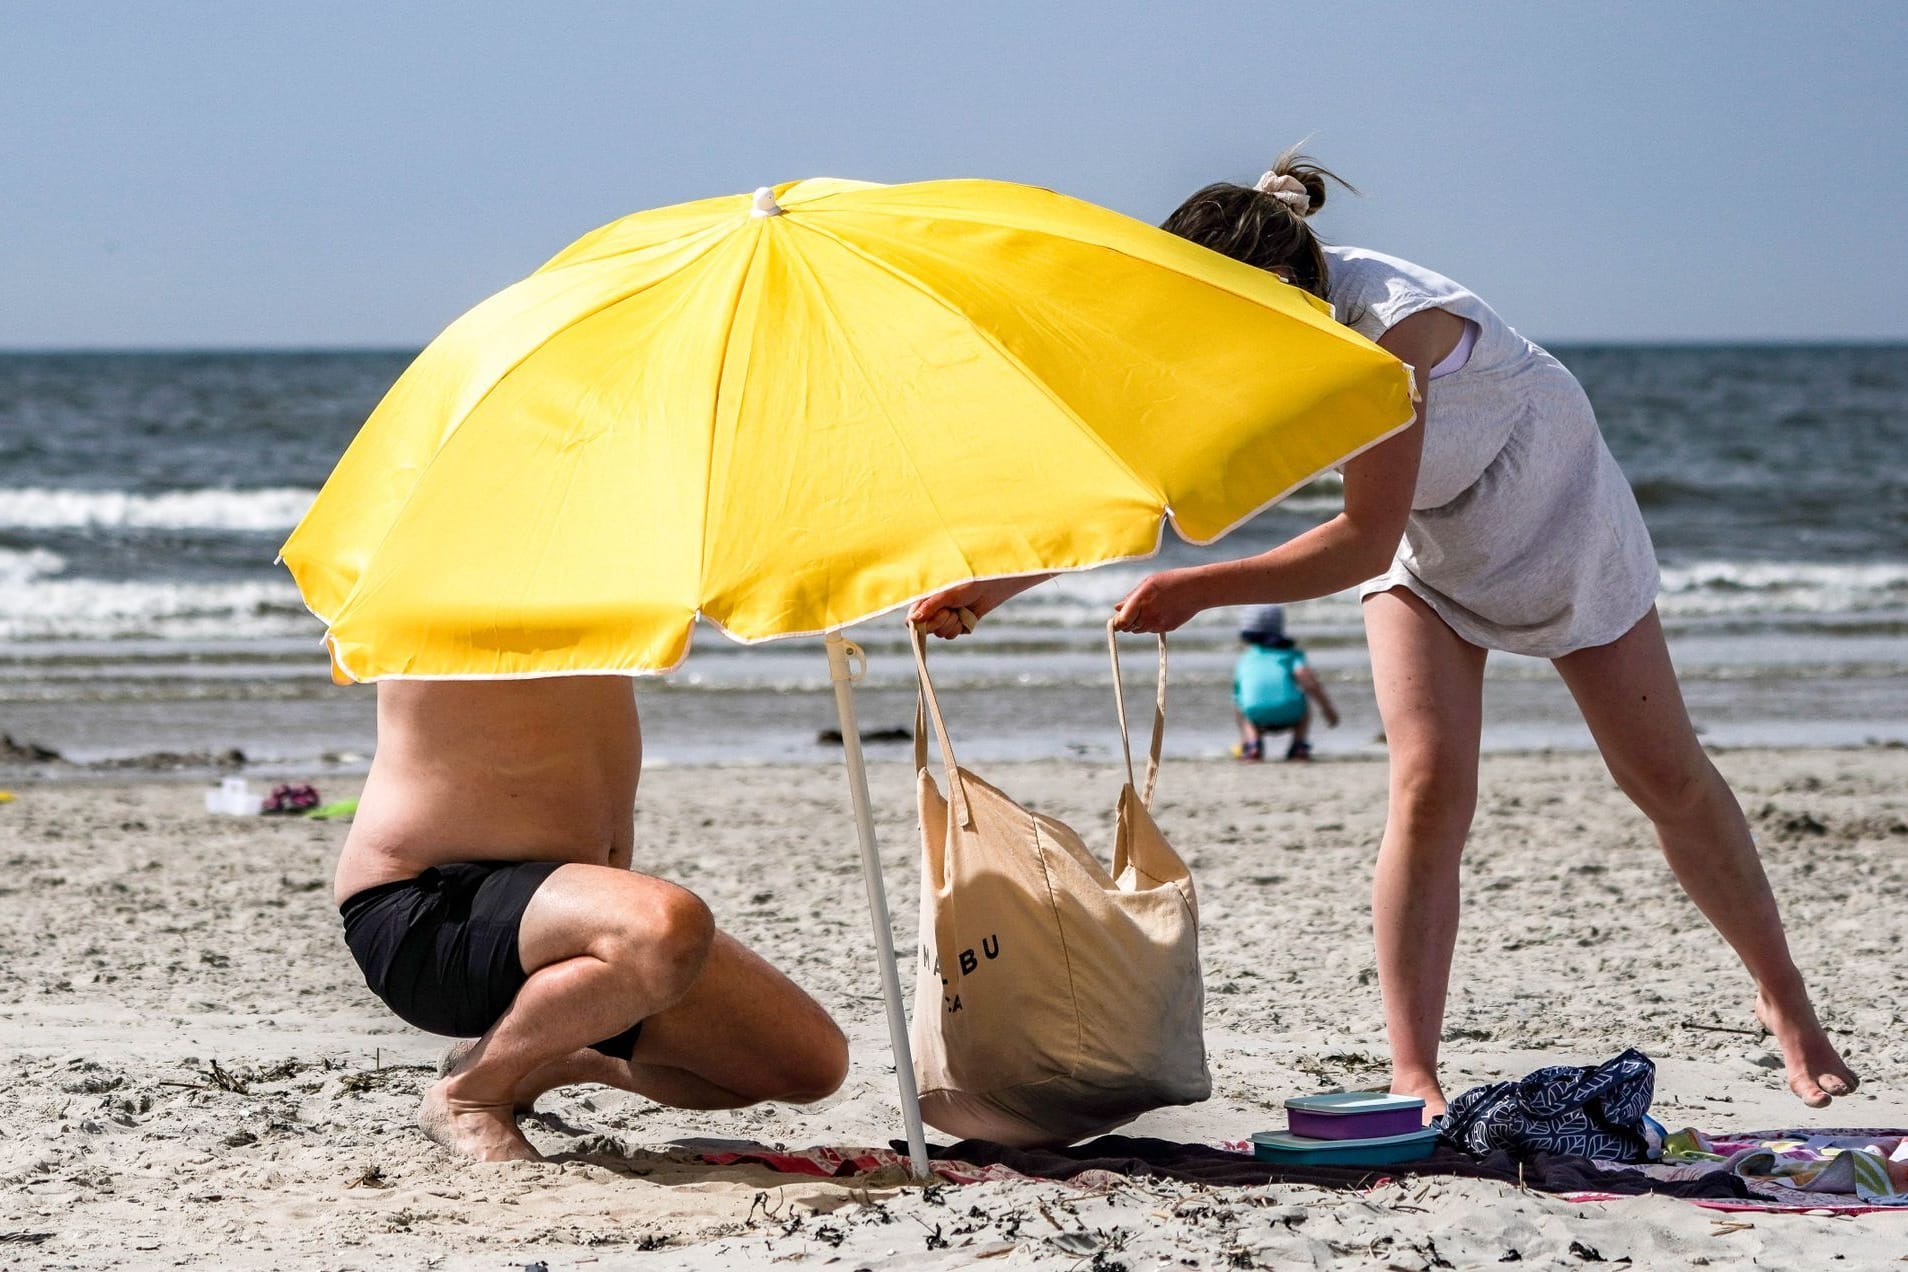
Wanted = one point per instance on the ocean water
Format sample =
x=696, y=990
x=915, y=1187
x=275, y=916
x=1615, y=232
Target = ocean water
x=143, y=498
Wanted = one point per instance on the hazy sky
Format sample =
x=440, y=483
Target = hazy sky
x=318, y=174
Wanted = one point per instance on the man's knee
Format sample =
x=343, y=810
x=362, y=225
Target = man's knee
x=685, y=931
x=668, y=938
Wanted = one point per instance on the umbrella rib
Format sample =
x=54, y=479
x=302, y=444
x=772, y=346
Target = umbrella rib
x=1304, y=311
x=1040, y=386
x=869, y=381
x=451, y=433
x=716, y=229
x=715, y=412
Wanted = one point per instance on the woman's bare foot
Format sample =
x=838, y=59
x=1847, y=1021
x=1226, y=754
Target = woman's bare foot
x=1817, y=1072
x=1425, y=1088
x=481, y=1132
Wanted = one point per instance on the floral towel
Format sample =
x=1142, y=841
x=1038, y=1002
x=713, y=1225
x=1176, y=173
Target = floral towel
x=1871, y=1166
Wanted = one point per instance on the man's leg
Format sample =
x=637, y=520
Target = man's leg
x=605, y=948
x=1629, y=697
x=1429, y=686
x=743, y=1033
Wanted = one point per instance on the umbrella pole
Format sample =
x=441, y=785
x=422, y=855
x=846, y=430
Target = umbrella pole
x=846, y=663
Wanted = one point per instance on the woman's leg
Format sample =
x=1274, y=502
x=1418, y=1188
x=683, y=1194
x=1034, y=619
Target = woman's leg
x=1429, y=686
x=1629, y=697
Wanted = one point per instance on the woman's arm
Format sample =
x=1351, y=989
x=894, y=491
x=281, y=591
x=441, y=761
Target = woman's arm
x=939, y=614
x=1353, y=546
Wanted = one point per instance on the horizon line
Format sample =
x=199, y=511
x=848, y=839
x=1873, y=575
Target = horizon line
x=160, y=350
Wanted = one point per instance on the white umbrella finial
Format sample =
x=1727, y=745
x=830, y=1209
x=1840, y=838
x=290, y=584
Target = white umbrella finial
x=765, y=204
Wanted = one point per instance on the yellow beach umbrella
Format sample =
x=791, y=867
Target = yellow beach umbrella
x=788, y=412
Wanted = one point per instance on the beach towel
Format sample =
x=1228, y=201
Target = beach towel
x=1056, y=999
x=1114, y=1155
x=1870, y=1166
x=1693, y=1174
x=1594, y=1111
x=1103, y=1162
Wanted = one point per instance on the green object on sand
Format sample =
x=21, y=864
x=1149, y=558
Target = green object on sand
x=337, y=808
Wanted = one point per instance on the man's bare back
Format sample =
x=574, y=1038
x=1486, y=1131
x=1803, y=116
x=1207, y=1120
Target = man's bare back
x=496, y=770
x=487, y=892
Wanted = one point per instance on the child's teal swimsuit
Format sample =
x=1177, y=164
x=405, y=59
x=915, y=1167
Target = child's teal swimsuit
x=1264, y=688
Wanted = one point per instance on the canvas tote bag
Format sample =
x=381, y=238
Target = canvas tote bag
x=1055, y=1000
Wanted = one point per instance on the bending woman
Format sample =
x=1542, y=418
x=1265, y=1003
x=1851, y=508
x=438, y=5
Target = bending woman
x=1498, y=520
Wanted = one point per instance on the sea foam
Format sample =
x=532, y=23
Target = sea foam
x=40, y=608
x=272, y=509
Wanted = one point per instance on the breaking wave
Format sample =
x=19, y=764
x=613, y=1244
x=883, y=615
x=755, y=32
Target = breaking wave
x=273, y=509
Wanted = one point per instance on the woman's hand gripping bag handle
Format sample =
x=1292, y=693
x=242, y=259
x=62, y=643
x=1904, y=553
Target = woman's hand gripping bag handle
x=1054, y=1000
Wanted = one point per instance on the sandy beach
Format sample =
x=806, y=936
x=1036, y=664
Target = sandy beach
x=200, y=1078
x=371, y=342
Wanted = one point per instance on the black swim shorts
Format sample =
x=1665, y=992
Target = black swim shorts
x=441, y=949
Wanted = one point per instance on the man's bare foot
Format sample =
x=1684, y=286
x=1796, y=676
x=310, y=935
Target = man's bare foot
x=454, y=1056
x=1426, y=1089
x=1817, y=1072
x=453, y=1060
x=580, y=1066
x=481, y=1132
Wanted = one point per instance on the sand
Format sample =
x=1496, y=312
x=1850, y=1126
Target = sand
x=198, y=1077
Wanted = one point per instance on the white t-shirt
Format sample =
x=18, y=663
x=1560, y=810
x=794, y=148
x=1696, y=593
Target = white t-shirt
x=1523, y=533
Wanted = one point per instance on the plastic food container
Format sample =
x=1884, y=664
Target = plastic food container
x=1349, y=1115
x=1384, y=1150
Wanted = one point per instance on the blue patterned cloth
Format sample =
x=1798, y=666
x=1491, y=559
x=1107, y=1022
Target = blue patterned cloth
x=1589, y=1111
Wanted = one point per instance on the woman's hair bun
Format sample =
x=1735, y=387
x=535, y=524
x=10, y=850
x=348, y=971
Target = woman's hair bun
x=1263, y=224
x=1293, y=172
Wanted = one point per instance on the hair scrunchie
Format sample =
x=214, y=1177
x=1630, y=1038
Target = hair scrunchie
x=1288, y=190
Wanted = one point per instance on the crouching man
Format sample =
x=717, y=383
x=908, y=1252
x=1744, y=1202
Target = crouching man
x=487, y=894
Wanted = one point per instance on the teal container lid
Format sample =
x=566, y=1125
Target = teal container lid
x=1288, y=1145
x=1345, y=1103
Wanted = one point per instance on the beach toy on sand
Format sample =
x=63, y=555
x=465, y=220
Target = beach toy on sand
x=1385, y=1150
x=234, y=798
x=1351, y=1115
x=337, y=808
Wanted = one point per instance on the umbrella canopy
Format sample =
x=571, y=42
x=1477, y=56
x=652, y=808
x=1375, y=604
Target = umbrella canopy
x=788, y=412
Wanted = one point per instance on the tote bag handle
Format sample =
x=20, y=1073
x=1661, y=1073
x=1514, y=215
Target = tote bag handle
x=926, y=707
x=1159, y=714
